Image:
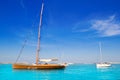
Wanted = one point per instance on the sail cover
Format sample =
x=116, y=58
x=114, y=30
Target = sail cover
x=48, y=60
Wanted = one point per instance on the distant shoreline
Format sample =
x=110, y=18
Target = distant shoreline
x=68, y=63
x=6, y=63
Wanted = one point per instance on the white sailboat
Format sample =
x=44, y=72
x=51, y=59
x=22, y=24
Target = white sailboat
x=102, y=64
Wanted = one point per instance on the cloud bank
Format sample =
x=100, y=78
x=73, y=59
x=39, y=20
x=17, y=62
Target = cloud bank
x=101, y=27
x=107, y=27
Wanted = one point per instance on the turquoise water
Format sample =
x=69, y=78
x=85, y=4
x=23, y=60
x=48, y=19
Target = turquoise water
x=72, y=72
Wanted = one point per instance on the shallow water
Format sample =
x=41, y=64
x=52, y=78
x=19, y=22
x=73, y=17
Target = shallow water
x=72, y=72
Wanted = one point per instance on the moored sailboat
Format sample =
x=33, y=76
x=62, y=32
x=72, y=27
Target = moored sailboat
x=102, y=64
x=38, y=65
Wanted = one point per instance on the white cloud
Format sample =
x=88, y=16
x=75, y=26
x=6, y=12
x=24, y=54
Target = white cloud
x=107, y=27
x=80, y=27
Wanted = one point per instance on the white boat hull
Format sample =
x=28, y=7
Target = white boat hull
x=103, y=65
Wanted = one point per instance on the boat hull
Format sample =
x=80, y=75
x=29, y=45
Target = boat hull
x=39, y=66
x=103, y=65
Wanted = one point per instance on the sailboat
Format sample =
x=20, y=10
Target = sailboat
x=102, y=64
x=39, y=64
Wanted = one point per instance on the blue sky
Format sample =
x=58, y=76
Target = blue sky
x=71, y=30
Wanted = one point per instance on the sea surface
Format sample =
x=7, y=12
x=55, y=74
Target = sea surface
x=72, y=72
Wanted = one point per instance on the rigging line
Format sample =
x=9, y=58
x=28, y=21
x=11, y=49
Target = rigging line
x=25, y=41
x=24, y=44
x=21, y=50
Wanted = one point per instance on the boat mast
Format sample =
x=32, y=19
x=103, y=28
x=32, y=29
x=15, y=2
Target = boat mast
x=100, y=52
x=39, y=28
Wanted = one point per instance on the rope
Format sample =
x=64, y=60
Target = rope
x=25, y=41
x=24, y=44
x=21, y=50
